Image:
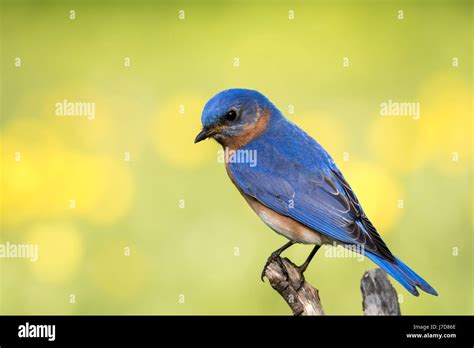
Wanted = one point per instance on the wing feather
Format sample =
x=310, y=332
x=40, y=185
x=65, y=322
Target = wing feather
x=312, y=192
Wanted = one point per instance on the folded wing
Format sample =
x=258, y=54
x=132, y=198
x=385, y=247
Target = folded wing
x=310, y=189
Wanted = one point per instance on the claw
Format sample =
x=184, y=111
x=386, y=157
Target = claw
x=277, y=258
x=269, y=261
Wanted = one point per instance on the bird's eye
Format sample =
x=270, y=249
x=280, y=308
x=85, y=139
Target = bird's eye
x=231, y=115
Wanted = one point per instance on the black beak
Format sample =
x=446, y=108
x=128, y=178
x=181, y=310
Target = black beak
x=204, y=134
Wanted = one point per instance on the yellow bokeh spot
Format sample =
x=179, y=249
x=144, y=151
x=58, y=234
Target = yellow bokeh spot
x=447, y=127
x=50, y=180
x=327, y=131
x=59, y=252
x=378, y=192
x=176, y=127
x=110, y=130
x=101, y=187
x=119, y=270
x=441, y=136
x=397, y=144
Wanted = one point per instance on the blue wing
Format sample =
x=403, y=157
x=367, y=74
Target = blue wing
x=295, y=177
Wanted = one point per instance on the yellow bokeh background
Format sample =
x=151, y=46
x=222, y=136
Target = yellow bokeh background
x=60, y=252
x=175, y=129
x=131, y=217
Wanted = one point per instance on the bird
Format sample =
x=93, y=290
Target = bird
x=295, y=187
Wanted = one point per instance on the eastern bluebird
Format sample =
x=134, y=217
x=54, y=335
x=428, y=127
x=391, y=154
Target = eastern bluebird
x=295, y=186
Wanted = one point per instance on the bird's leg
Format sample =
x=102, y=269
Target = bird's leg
x=275, y=256
x=313, y=252
x=305, y=264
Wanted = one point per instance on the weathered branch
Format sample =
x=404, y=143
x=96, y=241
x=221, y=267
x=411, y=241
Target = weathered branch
x=302, y=298
x=379, y=296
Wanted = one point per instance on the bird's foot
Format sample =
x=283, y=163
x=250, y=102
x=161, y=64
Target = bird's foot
x=274, y=257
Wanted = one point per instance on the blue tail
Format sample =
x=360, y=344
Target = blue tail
x=403, y=274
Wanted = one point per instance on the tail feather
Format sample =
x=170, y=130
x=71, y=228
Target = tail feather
x=403, y=274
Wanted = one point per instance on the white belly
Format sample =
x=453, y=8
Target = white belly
x=286, y=226
x=299, y=234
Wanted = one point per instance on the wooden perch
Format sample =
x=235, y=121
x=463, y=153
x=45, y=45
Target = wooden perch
x=301, y=296
x=379, y=296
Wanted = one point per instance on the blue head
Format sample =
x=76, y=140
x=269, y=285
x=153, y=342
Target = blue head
x=234, y=114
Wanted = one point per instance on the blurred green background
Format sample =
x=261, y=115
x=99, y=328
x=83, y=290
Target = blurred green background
x=157, y=226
